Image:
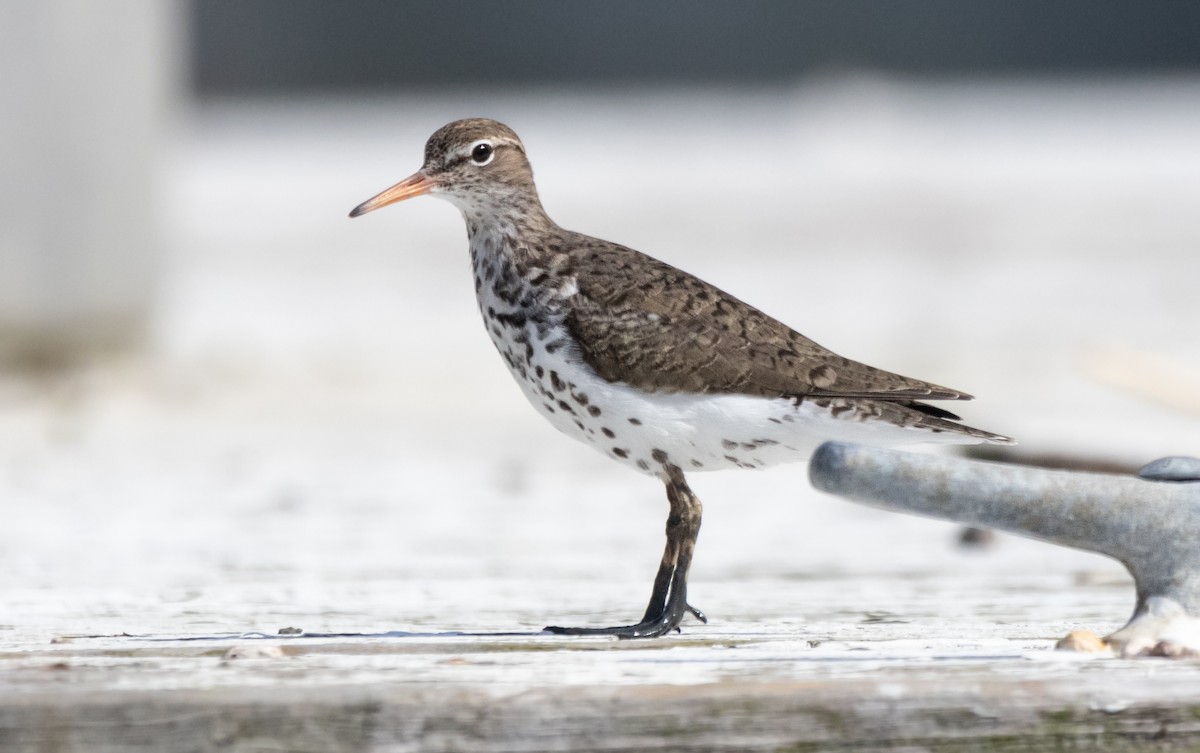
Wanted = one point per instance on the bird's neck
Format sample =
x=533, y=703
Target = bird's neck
x=515, y=232
x=520, y=260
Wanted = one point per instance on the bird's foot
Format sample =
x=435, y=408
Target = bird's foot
x=651, y=627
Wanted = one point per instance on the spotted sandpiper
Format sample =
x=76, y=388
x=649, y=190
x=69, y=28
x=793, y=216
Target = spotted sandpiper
x=655, y=368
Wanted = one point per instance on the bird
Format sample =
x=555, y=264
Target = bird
x=657, y=369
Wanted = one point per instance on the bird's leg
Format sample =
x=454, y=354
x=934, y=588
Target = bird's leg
x=669, y=599
x=668, y=602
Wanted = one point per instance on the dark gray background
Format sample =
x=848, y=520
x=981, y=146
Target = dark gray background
x=296, y=45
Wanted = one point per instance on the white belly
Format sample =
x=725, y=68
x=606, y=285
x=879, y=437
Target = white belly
x=694, y=432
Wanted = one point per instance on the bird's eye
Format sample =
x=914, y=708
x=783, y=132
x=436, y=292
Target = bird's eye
x=482, y=153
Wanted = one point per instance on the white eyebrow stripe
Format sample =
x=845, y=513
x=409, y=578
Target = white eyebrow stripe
x=465, y=151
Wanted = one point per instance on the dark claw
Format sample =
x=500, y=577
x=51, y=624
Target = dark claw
x=646, y=629
x=624, y=632
x=652, y=628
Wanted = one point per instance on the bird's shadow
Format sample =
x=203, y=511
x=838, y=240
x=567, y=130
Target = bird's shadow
x=256, y=635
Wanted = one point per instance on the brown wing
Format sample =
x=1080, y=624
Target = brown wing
x=655, y=327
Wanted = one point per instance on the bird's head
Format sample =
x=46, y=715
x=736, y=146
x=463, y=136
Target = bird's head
x=477, y=164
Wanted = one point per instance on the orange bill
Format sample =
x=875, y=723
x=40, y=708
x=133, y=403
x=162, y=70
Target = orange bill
x=414, y=185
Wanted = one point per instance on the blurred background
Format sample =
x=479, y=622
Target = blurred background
x=205, y=366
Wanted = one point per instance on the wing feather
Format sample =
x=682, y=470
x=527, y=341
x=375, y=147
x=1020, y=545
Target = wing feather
x=645, y=323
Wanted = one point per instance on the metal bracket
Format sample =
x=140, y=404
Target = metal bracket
x=1150, y=523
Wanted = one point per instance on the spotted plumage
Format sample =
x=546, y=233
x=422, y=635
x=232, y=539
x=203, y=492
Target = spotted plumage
x=653, y=367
